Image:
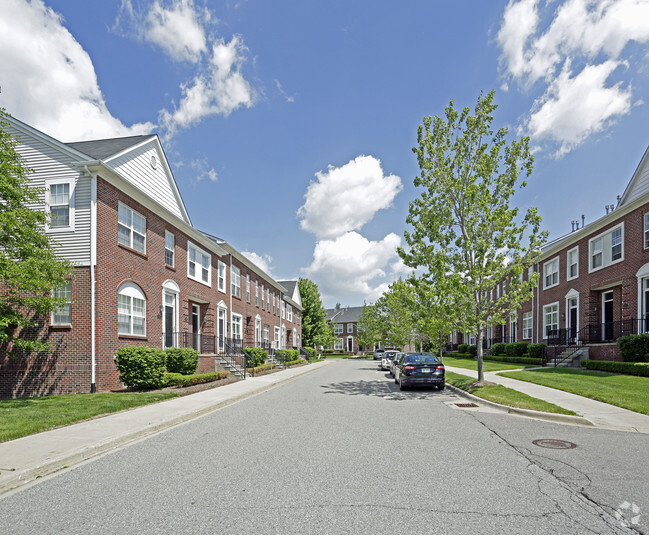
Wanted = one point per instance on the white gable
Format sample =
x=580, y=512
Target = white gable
x=639, y=184
x=146, y=167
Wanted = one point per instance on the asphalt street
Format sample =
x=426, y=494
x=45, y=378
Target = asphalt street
x=342, y=450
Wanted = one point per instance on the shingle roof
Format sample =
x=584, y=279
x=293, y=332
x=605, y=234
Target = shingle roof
x=103, y=148
x=290, y=287
x=344, y=314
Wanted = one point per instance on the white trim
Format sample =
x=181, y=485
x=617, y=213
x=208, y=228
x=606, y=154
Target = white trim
x=641, y=274
x=547, y=264
x=572, y=294
x=71, y=205
x=568, y=277
x=545, y=325
x=531, y=328
x=606, y=250
x=198, y=264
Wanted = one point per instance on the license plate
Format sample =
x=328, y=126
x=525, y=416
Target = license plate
x=425, y=370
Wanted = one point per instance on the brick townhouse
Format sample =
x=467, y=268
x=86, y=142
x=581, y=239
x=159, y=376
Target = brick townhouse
x=345, y=322
x=593, y=282
x=143, y=275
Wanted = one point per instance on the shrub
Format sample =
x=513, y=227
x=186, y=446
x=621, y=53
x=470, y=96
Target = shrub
x=634, y=348
x=183, y=360
x=498, y=349
x=535, y=351
x=141, y=367
x=463, y=348
x=473, y=350
x=255, y=356
x=628, y=368
x=311, y=352
x=171, y=379
x=177, y=379
x=519, y=349
x=287, y=355
x=517, y=360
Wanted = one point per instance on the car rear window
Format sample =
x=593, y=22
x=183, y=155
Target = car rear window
x=422, y=359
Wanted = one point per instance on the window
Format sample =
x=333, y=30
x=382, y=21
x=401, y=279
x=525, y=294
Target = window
x=338, y=328
x=131, y=228
x=551, y=273
x=199, y=264
x=131, y=310
x=596, y=253
x=274, y=303
x=236, y=326
x=606, y=249
x=256, y=293
x=338, y=344
x=266, y=335
x=235, y=278
x=289, y=312
x=248, y=288
x=59, y=203
x=616, y=244
x=170, y=241
x=550, y=318
x=513, y=329
x=221, y=275
x=350, y=328
x=268, y=299
x=276, y=340
x=573, y=264
x=63, y=314
x=646, y=231
x=263, y=293
x=527, y=325
x=283, y=310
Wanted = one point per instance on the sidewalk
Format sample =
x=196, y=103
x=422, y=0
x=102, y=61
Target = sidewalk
x=599, y=414
x=25, y=459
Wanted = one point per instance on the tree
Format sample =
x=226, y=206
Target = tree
x=369, y=327
x=464, y=230
x=395, y=308
x=29, y=267
x=315, y=330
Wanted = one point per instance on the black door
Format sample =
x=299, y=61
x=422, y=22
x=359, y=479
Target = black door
x=607, y=317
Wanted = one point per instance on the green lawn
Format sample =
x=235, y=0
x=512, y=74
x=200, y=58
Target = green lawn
x=622, y=390
x=503, y=395
x=22, y=417
x=487, y=366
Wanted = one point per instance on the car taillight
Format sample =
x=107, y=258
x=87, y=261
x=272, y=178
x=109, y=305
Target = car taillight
x=410, y=368
x=439, y=367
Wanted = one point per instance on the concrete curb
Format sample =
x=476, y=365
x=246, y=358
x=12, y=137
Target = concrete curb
x=12, y=481
x=529, y=413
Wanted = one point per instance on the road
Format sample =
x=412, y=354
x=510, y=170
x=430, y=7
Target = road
x=342, y=450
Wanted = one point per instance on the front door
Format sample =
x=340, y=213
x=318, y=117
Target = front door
x=607, y=316
x=572, y=318
x=169, y=319
x=350, y=345
x=221, y=329
x=196, y=327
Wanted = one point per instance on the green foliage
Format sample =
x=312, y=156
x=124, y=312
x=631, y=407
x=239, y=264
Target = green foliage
x=312, y=353
x=179, y=380
x=536, y=351
x=287, y=355
x=473, y=350
x=315, y=330
x=517, y=360
x=29, y=267
x=183, y=360
x=634, y=348
x=463, y=348
x=141, y=367
x=498, y=349
x=628, y=368
x=255, y=356
x=369, y=327
x=517, y=349
x=465, y=236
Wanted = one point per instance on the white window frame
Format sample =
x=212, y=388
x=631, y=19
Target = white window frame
x=170, y=252
x=575, y=253
x=546, y=311
x=528, y=325
x=198, y=265
x=646, y=231
x=222, y=275
x=350, y=328
x=605, y=248
x=131, y=228
x=338, y=328
x=283, y=309
x=551, y=269
x=248, y=287
x=513, y=328
x=70, y=204
x=236, y=327
x=338, y=344
x=256, y=293
x=266, y=335
x=276, y=334
x=63, y=314
x=130, y=293
x=263, y=294
x=289, y=313
x=235, y=281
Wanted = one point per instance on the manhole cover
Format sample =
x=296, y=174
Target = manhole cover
x=466, y=405
x=554, y=444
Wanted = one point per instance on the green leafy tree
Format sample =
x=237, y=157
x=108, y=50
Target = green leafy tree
x=369, y=327
x=315, y=330
x=29, y=267
x=395, y=307
x=463, y=227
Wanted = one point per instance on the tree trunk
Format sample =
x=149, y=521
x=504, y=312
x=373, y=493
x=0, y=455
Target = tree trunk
x=479, y=354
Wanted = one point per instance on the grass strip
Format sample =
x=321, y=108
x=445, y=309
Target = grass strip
x=487, y=366
x=26, y=416
x=503, y=395
x=624, y=391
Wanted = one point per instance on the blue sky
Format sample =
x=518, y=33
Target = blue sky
x=289, y=124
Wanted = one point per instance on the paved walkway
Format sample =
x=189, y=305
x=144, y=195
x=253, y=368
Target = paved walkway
x=599, y=414
x=25, y=459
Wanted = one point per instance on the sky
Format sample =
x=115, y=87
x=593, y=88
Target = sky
x=289, y=125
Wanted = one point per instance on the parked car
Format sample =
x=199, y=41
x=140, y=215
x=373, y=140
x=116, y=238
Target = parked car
x=378, y=354
x=420, y=369
x=395, y=362
x=388, y=356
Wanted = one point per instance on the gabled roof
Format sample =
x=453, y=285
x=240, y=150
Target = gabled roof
x=344, y=315
x=292, y=290
x=101, y=149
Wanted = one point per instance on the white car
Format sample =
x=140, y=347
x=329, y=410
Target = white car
x=387, y=359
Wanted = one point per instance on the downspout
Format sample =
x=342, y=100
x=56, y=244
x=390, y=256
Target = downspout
x=93, y=263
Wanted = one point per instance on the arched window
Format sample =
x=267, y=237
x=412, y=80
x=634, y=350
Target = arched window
x=131, y=315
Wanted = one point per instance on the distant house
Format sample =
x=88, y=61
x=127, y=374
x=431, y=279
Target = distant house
x=143, y=274
x=345, y=322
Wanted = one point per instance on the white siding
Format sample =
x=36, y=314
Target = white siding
x=640, y=185
x=135, y=166
x=50, y=162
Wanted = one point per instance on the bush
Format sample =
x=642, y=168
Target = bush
x=177, y=379
x=519, y=349
x=255, y=356
x=141, y=367
x=171, y=379
x=517, y=360
x=473, y=350
x=627, y=368
x=634, y=348
x=287, y=355
x=463, y=348
x=498, y=349
x=311, y=352
x=535, y=351
x=182, y=360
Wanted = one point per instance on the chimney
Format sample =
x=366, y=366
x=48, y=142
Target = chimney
x=619, y=198
x=573, y=225
x=583, y=220
x=607, y=207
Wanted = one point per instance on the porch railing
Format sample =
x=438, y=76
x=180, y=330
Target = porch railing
x=596, y=333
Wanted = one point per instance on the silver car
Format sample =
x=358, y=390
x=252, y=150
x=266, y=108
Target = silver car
x=394, y=363
x=387, y=359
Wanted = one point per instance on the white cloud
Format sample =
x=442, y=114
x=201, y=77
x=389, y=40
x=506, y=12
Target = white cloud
x=203, y=171
x=345, y=198
x=42, y=64
x=574, y=108
x=263, y=261
x=586, y=37
x=350, y=263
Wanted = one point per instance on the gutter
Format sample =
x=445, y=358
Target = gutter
x=93, y=281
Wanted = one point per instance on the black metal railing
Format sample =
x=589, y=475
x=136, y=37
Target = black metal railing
x=203, y=343
x=597, y=333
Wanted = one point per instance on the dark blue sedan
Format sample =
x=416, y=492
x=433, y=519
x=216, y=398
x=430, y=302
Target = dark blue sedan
x=419, y=369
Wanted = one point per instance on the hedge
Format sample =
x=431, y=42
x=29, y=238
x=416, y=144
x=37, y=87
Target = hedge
x=177, y=379
x=634, y=348
x=516, y=360
x=535, y=351
x=311, y=352
x=628, y=368
x=287, y=355
x=182, y=360
x=255, y=356
x=516, y=349
x=141, y=367
x=498, y=349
